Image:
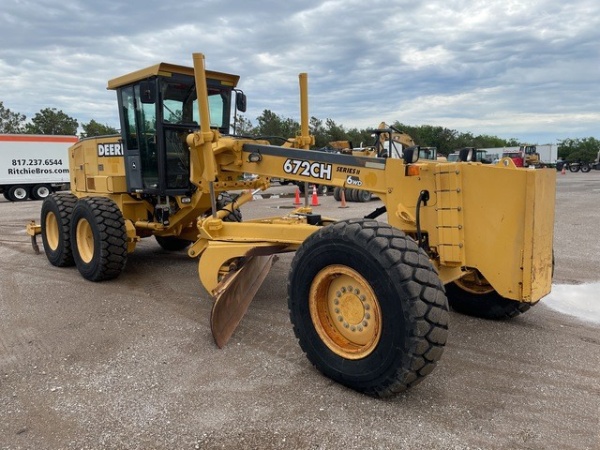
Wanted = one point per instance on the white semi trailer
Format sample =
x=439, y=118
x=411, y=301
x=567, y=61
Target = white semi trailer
x=33, y=166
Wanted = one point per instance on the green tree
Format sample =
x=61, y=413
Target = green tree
x=360, y=138
x=93, y=128
x=463, y=140
x=52, y=121
x=444, y=139
x=10, y=122
x=585, y=149
x=315, y=127
x=272, y=126
x=334, y=132
x=290, y=128
x=327, y=132
x=243, y=126
x=447, y=140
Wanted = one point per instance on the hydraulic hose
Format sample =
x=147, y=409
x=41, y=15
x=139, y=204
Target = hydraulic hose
x=423, y=199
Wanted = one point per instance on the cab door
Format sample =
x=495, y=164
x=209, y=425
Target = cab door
x=138, y=128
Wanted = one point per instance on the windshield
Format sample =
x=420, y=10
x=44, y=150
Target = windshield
x=180, y=102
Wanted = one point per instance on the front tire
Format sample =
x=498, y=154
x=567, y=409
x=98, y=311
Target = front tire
x=99, y=238
x=367, y=306
x=56, y=225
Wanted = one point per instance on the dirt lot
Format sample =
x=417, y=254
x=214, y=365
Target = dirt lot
x=131, y=363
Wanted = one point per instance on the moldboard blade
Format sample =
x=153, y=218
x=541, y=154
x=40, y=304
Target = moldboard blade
x=234, y=294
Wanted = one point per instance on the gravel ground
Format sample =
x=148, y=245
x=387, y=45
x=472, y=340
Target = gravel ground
x=131, y=363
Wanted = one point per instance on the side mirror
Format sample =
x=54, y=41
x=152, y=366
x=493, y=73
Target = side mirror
x=465, y=154
x=240, y=101
x=148, y=91
x=410, y=155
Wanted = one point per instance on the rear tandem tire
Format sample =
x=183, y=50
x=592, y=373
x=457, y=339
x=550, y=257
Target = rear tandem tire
x=99, y=238
x=486, y=305
x=56, y=224
x=367, y=306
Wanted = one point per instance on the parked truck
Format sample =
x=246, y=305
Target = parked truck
x=584, y=167
x=529, y=155
x=33, y=166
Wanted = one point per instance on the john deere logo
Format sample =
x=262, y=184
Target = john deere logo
x=110, y=149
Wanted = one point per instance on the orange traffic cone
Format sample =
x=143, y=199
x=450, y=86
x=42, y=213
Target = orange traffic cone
x=297, y=198
x=314, y=201
x=563, y=171
x=343, y=198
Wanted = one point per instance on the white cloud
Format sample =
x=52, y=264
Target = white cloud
x=421, y=59
x=512, y=68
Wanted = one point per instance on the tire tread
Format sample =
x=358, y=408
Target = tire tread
x=427, y=306
x=112, y=240
x=61, y=204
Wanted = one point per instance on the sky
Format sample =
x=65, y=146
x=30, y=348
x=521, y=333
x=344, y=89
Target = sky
x=524, y=69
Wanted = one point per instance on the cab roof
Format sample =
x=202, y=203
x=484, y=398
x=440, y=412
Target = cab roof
x=167, y=69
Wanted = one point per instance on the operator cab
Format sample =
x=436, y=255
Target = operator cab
x=158, y=108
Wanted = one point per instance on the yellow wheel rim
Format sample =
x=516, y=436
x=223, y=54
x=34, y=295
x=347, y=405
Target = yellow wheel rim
x=475, y=283
x=345, y=312
x=51, y=230
x=85, y=240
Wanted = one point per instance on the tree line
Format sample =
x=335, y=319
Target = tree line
x=49, y=121
x=276, y=128
x=444, y=139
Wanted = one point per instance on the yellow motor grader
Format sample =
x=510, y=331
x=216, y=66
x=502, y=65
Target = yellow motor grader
x=368, y=299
